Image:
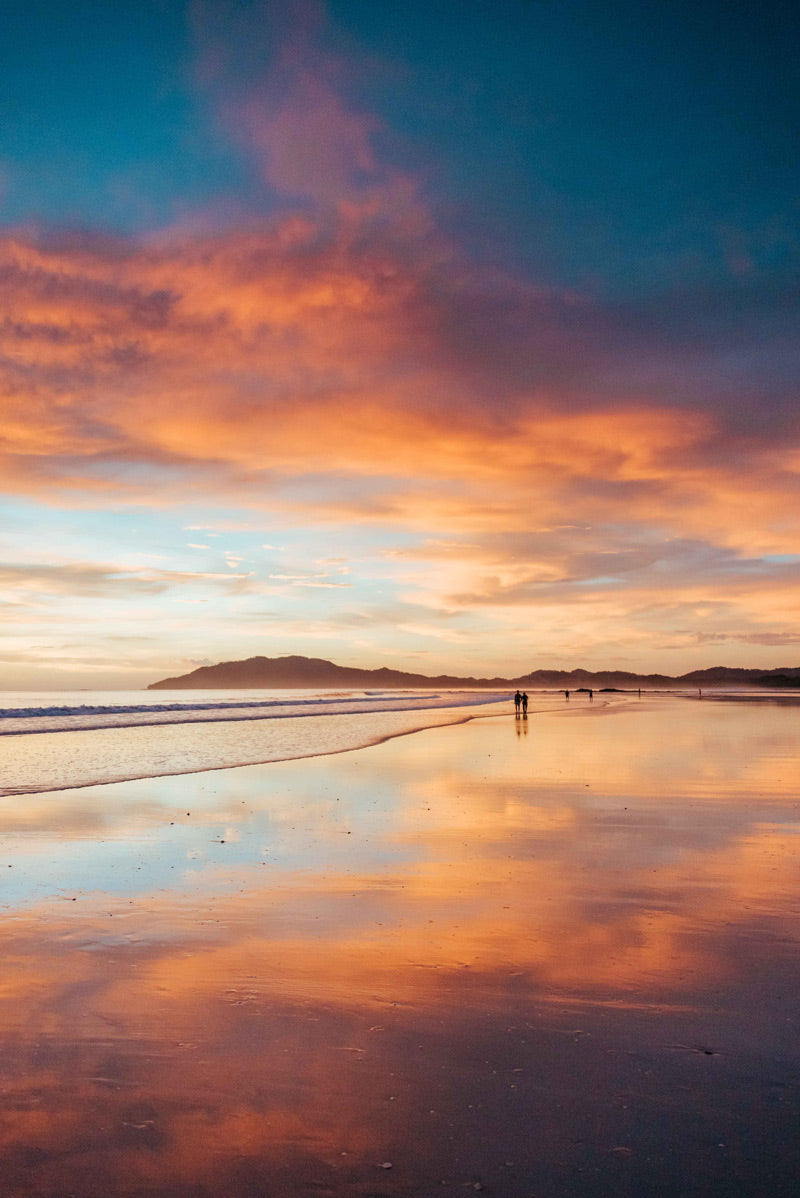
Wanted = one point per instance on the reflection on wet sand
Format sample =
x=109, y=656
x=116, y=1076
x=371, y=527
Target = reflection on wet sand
x=556, y=964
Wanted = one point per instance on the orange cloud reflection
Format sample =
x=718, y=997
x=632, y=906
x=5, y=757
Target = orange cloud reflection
x=305, y=1025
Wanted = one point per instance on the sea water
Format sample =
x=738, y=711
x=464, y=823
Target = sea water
x=55, y=740
x=557, y=956
x=58, y=740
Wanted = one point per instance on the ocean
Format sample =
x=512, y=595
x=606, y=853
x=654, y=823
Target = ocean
x=555, y=956
x=57, y=740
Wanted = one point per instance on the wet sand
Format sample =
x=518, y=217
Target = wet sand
x=546, y=957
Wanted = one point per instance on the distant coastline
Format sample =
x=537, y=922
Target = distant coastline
x=316, y=672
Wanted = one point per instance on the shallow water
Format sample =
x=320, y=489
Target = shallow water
x=50, y=742
x=75, y=711
x=554, y=957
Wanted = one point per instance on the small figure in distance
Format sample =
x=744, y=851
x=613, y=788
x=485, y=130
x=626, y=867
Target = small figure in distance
x=524, y=706
x=566, y=695
x=517, y=701
x=591, y=693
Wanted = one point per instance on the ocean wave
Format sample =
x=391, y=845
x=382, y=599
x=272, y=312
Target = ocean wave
x=201, y=741
x=77, y=717
x=80, y=709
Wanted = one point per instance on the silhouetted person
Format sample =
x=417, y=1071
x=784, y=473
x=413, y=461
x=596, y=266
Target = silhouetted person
x=524, y=705
x=566, y=695
x=517, y=701
x=591, y=693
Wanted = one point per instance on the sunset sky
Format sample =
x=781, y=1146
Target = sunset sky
x=439, y=336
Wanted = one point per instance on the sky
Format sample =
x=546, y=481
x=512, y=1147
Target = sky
x=441, y=337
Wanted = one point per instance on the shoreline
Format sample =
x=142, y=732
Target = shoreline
x=445, y=717
x=125, y=735
x=535, y=956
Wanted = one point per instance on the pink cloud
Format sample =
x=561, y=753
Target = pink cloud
x=309, y=143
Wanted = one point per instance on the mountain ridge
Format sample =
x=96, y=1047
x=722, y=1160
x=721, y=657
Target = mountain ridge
x=296, y=672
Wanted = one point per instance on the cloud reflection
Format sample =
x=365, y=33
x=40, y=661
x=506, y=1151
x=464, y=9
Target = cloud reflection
x=302, y=994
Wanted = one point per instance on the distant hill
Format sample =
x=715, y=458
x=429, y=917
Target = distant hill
x=315, y=672
x=778, y=680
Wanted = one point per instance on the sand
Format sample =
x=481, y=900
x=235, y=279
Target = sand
x=545, y=957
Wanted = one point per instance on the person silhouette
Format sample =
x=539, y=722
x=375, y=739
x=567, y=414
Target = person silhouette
x=566, y=695
x=524, y=705
x=517, y=701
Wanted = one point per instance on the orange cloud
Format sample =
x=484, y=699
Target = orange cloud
x=222, y=354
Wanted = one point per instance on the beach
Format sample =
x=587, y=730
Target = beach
x=554, y=957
